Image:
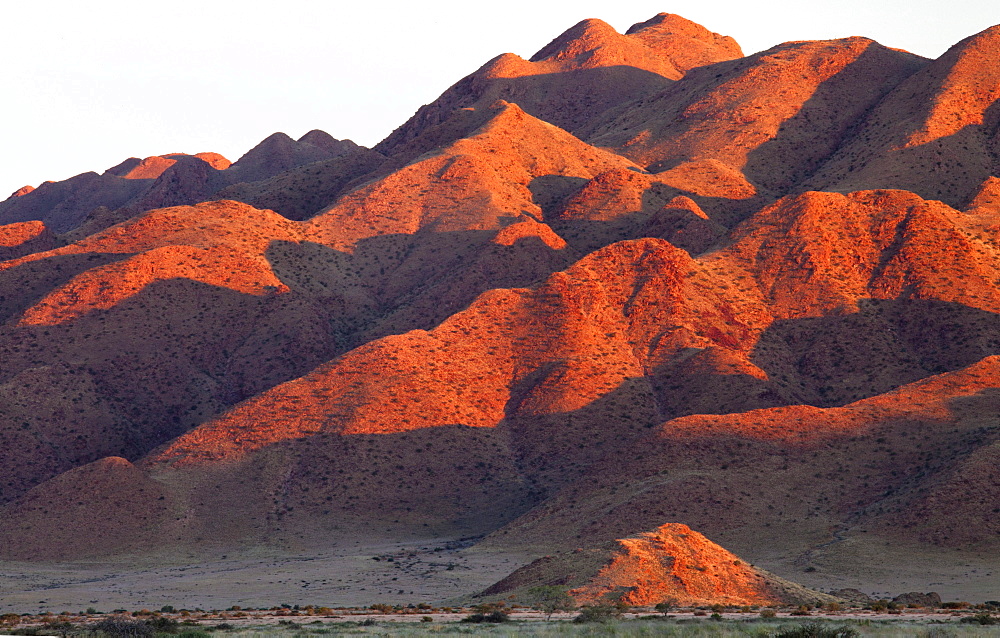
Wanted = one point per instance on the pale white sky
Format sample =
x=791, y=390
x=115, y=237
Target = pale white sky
x=88, y=84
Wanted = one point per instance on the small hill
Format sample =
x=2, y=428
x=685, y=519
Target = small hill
x=671, y=563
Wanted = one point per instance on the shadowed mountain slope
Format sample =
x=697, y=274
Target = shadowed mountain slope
x=934, y=134
x=774, y=116
x=135, y=186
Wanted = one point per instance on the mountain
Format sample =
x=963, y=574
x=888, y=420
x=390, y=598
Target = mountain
x=934, y=134
x=89, y=203
x=637, y=278
x=585, y=71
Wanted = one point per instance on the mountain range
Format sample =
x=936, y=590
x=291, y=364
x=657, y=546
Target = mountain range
x=635, y=283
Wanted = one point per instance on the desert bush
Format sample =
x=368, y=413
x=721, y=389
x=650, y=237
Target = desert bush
x=495, y=616
x=59, y=628
x=9, y=620
x=815, y=630
x=121, y=627
x=550, y=599
x=665, y=606
x=767, y=612
x=163, y=625
x=982, y=619
x=598, y=613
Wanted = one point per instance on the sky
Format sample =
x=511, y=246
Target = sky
x=86, y=85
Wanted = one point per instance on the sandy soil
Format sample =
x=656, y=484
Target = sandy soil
x=883, y=569
x=346, y=576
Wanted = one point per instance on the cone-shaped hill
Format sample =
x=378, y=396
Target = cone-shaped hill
x=671, y=563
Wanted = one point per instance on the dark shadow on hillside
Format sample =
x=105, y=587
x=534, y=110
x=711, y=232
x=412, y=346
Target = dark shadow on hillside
x=123, y=380
x=394, y=283
x=949, y=168
x=27, y=283
x=656, y=216
x=835, y=360
x=65, y=204
x=568, y=100
x=826, y=120
x=448, y=479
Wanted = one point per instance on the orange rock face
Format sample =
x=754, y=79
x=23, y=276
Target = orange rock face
x=676, y=563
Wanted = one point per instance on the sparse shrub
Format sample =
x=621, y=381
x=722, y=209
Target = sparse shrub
x=426, y=619
x=815, y=630
x=9, y=620
x=598, y=613
x=163, y=625
x=119, y=626
x=60, y=628
x=550, y=599
x=767, y=612
x=665, y=606
x=982, y=619
x=495, y=616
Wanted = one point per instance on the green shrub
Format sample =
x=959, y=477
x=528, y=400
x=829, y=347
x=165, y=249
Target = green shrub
x=121, y=627
x=598, y=613
x=495, y=616
x=982, y=619
x=550, y=599
x=815, y=630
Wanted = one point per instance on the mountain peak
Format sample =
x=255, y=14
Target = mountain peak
x=24, y=190
x=665, y=29
x=666, y=44
x=583, y=37
x=969, y=84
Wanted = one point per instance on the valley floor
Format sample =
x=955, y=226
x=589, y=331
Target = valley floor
x=346, y=576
